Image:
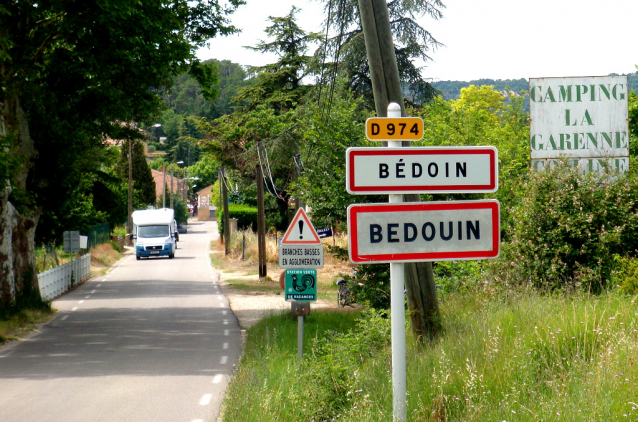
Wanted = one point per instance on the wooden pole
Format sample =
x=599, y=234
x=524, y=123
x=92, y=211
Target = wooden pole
x=261, y=219
x=226, y=221
x=130, y=186
x=419, y=277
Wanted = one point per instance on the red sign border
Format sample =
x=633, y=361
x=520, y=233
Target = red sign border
x=353, y=247
x=351, y=153
x=311, y=228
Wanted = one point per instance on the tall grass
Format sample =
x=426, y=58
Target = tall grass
x=522, y=357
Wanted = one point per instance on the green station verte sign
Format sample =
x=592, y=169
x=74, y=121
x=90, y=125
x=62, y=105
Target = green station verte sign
x=301, y=285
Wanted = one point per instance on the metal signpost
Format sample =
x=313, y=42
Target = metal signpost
x=400, y=232
x=71, y=241
x=301, y=254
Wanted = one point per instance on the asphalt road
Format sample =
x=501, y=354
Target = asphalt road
x=153, y=340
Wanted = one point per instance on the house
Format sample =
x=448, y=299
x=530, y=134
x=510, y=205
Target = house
x=173, y=184
x=205, y=210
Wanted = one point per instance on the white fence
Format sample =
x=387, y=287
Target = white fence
x=58, y=280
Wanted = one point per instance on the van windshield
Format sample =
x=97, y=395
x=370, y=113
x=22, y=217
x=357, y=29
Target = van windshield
x=153, y=231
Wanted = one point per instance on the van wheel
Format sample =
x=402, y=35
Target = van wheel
x=171, y=256
x=137, y=257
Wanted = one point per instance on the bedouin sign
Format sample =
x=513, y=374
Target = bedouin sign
x=581, y=119
x=423, y=231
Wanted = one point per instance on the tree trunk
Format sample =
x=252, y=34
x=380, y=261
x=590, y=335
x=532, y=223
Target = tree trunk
x=18, y=274
x=386, y=85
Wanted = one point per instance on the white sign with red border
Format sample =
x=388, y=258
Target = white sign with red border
x=425, y=231
x=301, y=246
x=421, y=170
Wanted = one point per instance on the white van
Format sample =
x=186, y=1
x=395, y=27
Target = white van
x=155, y=233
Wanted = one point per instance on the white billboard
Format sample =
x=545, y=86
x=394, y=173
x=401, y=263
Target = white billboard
x=583, y=119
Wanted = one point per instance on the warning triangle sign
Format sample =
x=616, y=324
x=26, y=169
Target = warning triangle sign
x=301, y=231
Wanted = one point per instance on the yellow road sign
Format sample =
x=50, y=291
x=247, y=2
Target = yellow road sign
x=394, y=128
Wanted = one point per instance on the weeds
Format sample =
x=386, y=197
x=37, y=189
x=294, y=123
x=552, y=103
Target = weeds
x=529, y=357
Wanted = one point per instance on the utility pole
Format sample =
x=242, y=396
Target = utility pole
x=298, y=203
x=164, y=187
x=419, y=278
x=171, y=189
x=261, y=218
x=386, y=85
x=226, y=221
x=130, y=186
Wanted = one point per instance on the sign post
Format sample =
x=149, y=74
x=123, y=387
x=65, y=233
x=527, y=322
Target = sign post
x=397, y=301
x=301, y=254
x=399, y=232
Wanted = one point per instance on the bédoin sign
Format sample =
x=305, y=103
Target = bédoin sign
x=394, y=128
x=427, y=231
x=421, y=170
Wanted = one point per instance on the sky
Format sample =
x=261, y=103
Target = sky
x=494, y=39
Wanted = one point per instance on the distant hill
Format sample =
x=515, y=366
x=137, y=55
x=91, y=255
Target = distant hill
x=452, y=89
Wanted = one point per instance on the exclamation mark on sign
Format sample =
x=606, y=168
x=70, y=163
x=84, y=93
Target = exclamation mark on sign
x=300, y=229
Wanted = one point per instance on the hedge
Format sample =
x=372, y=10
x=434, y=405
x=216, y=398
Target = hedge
x=246, y=217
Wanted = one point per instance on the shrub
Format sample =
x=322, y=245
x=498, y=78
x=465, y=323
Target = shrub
x=246, y=217
x=626, y=275
x=567, y=227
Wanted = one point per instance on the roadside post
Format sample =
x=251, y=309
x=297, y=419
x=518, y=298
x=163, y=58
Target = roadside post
x=398, y=232
x=300, y=254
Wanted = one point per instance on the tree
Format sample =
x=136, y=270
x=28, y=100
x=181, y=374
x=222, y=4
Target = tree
x=348, y=52
x=70, y=71
x=267, y=115
x=279, y=85
x=143, y=182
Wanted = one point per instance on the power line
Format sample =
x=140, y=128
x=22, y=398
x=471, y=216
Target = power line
x=264, y=176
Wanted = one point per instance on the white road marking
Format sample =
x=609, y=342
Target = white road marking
x=82, y=301
x=99, y=285
x=220, y=297
x=64, y=317
x=197, y=420
x=226, y=332
x=86, y=297
x=205, y=400
x=218, y=378
x=221, y=304
x=225, y=345
x=224, y=312
x=223, y=360
x=93, y=291
x=74, y=309
x=225, y=322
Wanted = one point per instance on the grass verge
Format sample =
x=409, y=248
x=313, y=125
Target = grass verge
x=514, y=357
x=16, y=325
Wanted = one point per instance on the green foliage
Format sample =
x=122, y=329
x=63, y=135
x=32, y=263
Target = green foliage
x=567, y=228
x=206, y=172
x=625, y=275
x=186, y=98
x=451, y=90
x=246, y=217
x=272, y=385
x=332, y=370
x=519, y=357
x=279, y=85
x=412, y=42
x=328, y=132
x=81, y=68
